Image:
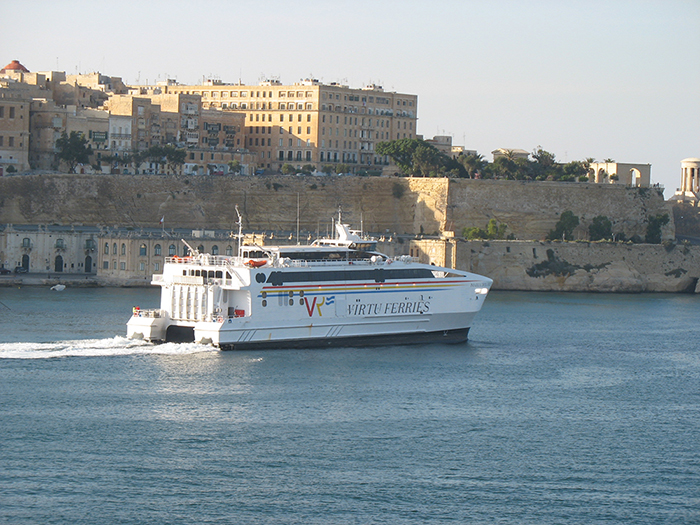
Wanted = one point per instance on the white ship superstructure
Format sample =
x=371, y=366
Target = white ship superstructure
x=332, y=292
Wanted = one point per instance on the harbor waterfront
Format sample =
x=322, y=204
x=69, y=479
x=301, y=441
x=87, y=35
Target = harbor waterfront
x=561, y=408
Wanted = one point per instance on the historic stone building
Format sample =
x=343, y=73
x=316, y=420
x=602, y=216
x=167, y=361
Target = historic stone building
x=634, y=175
x=312, y=123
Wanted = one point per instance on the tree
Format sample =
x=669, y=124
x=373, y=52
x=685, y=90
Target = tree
x=307, y=169
x=426, y=161
x=564, y=229
x=342, y=168
x=574, y=170
x=656, y=222
x=600, y=228
x=73, y=149
x=493, y=230
x=401, y=152
x=327, y=169
x=234, y=166
x=287, y=169
x=175, y=157
x=472, y=164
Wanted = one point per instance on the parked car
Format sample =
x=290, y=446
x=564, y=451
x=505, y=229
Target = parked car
x=21, y=269
x=4, y=271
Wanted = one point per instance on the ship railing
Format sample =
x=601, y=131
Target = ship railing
x=298, y=263
x=209, y=260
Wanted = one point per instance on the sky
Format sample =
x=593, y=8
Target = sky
x=581, y=78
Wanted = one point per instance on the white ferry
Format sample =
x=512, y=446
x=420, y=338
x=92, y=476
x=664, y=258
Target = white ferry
x=333, y=292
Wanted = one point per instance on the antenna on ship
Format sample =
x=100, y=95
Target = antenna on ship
x=297, y=218
x=240, y=229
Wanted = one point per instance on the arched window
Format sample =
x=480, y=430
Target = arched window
x=106, y=248
x=200, y=248
x=185, y=251
x=172, y=250
x=142, y=250
x=229, y=251
x=157, y=249
x=114, y=249
x=215, y=250
x=123, y=249
x=26, y=243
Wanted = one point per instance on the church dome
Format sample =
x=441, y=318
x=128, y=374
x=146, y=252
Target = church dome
x=14, y=66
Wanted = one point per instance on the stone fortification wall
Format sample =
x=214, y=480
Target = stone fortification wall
x=531, y=209
x=266, y=203
x=582, y=266
x=383, y=204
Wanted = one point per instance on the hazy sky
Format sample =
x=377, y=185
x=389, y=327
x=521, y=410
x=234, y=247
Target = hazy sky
x=604, y=79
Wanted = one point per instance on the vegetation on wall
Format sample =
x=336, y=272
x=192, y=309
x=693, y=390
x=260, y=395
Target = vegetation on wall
x=418, y=158
x=493, y=230
x=656, y=222
x=600, y=228
x=564, y=229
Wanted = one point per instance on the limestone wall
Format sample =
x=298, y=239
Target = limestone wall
x=572, y=266
x=383, y=204
x=531, y=209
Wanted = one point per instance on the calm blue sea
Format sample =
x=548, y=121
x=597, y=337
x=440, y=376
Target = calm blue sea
x=562, y=408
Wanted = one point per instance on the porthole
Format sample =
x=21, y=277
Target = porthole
x=291, y=294
x=264, y=303
x=301, y=293
x=264, y=295
x=301, y=302
x=291, y=302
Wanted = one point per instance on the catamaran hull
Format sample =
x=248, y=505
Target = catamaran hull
x=446, y=336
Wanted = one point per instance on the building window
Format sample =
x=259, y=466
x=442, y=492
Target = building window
x=142, y=266
x=142, y=250
x=123, y=249
x=122, y=266
x=105, y=265
x=156, y=267
x=215, y=250
x=26, y=243
x=172, y=250
x=157, y=249
x=229, y=249
x=114, y=265
x=114, y=249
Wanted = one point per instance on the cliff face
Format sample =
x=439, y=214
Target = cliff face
x=394, y=205
x=583, y=267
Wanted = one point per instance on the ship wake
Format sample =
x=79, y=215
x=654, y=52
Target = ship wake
x=116, y=346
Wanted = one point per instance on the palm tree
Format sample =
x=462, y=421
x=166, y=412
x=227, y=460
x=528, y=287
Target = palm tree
x=472, y=163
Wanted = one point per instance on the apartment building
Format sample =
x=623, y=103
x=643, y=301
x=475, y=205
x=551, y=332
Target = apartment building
x=14, y=127
x=312, y=123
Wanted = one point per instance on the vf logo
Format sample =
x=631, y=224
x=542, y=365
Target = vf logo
x=315, y=305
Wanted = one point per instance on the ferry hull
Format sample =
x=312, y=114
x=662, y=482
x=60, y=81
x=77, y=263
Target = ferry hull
x=445, y=337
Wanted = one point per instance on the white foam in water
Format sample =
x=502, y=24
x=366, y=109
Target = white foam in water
x=97, y=348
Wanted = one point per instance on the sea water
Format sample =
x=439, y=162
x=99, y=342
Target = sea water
x=561, y=408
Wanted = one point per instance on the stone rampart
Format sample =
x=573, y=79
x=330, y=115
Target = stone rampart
x=571, y=266
x=531, y=209
x=269, y=203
